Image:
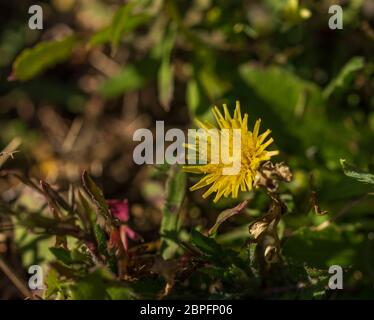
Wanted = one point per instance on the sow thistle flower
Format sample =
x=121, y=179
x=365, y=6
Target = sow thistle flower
x=251, y=154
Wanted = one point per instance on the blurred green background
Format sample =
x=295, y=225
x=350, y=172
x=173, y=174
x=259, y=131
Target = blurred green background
x=73, y=93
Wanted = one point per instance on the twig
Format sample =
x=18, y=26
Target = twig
x=9, y=150
x=15, y=279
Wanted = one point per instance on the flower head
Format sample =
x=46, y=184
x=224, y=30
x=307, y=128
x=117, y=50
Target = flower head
x=119, y=209
x=119, y=236
x=251, y=154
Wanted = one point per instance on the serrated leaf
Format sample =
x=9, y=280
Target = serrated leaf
x=91, y=287
x=96, y=195
x=344, y=76
x=101, y=240
x=207, y=245
x=44, y=55
x=54, y=197
x=85, y=211
x=53, y=283
x=62, y=255
x=215, y=252
x=355, y=173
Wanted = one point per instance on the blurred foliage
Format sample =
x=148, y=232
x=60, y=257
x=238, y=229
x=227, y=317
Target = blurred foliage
x=72, y=95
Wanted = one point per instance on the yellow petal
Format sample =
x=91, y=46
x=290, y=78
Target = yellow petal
x=256, y=129
x=227, y=113
x=237, y=112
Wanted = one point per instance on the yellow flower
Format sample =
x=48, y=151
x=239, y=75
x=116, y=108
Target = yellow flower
x=251, y=154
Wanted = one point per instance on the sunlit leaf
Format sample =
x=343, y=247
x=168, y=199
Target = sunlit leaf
x=353, y=172
x=53, y=283
x=44, y=55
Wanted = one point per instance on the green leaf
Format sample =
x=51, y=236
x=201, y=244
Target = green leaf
x=119, y=23
x=213, y=85
x=121, y=293
x=193, y=96
x=344, y=76
x=207, y=245
x=324, y=248
x=170, y=225
x=214, y=252
x=166, y=71
x=314, y=280
x=166, y=83
x=62, y=255
x=96, y=195
x=32, y=62
x=353, y=172
x=123, y=22
x=101, y=240
x=129, y=79
x=100, y=37
x=53, y=283
x=100, y=285
x=286, y=89
x=290, y=111
x=91, y=287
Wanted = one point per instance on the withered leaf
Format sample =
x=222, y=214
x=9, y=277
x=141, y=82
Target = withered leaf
x=226, y=214
x=269, y=175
